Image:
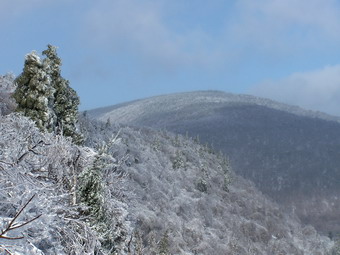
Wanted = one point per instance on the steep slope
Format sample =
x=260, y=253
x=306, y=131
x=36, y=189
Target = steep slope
x=291, y=154
x=187, y=200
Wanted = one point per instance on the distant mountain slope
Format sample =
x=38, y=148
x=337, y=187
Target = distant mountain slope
x=291, y=154
x=183, y=201
x=206, y=100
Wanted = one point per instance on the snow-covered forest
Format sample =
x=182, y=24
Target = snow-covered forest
x=72, y=185
x=291, y=154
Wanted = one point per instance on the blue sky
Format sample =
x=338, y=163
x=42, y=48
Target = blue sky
x=120, y=50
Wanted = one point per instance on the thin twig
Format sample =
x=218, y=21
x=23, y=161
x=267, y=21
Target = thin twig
x=6, y=250
x=16, y=216
x=41, y=142
x=11, y=238
x=25, y=223
x=6, y=163
x=12, y=225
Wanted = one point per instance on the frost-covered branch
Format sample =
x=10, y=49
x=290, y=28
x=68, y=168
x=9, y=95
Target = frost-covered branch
x=13, y=225
x=6, y=163
x=31, y=150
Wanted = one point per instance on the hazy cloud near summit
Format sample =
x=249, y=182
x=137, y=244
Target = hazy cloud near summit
x=278, y=26
x=240, y=32
x=272, y=26
x=315, y=90
x=139, y=27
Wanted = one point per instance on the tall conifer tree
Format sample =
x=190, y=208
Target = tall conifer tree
x=66, y=100
x=46, y=97
x=34, y=92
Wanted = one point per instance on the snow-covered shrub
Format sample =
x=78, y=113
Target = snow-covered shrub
x=178, y=160
x=163, y=245
x=104, y=214
x=336, y=249
x=28, y=161
x=47, y=167
x=201, y=185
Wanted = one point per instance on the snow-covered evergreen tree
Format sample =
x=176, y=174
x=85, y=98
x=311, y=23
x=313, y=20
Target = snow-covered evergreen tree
x=65, y=99
x=34, y=93
x=105, y=217
x=46, y=97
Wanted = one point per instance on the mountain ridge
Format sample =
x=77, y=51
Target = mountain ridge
x=225, y=97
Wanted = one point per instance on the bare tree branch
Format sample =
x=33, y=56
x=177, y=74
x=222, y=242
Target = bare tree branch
x=6, y=163
x=41, y=142
x=13, y=225
x=6, y=250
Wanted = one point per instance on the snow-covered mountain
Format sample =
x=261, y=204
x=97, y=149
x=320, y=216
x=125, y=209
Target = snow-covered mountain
x=290, y=153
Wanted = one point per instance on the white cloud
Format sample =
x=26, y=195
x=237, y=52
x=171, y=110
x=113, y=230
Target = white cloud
x=286, y=24
x=139, y=27
x=274, y=27
x=316, y=90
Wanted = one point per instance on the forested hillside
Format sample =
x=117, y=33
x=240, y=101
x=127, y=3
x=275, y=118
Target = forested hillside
x=187, y=193
x=291, y=154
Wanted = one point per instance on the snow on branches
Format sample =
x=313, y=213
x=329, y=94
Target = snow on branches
x=46, y=97
x=47, y=167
